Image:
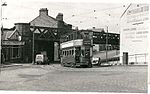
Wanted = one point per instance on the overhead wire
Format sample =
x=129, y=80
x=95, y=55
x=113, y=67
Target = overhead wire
x=81, y=14
x=93, y=11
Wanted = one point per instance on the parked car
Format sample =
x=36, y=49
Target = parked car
x=95, y=60
x=104, y=64
x=41, y=59
x=98, y=62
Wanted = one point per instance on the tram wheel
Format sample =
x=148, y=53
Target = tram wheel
x=73, y=65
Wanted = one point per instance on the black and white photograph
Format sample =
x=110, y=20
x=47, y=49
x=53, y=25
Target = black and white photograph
x=65, y=46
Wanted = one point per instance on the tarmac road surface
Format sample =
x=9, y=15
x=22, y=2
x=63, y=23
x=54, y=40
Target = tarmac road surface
x=54, y=77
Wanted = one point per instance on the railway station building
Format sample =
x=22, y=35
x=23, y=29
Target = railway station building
x=25, y=40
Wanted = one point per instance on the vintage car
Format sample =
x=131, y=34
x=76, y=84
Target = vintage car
x=41, y=59
x=95, y=60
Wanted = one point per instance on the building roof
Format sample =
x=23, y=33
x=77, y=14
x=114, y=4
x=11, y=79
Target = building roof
x=7, y=43
x=7, y=34
x=44, y=21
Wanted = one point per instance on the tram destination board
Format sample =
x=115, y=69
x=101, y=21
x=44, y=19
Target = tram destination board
x=87, y=42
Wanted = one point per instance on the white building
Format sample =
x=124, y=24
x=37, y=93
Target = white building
x=134, y=34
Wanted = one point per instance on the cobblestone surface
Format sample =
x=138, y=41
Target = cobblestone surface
x=130, y=79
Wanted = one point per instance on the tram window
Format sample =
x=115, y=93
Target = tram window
x=77, y=51
x=69, y=37
x=65, y=53
x=68, y=52
x=82, y=52
x=72, y=52
x=61, y=52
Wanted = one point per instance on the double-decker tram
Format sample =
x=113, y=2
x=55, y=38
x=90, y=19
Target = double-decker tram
x=77, y=51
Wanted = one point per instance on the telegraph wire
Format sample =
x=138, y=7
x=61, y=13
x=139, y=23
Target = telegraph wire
x=94, y=11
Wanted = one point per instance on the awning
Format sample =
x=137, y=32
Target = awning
x=13, y=43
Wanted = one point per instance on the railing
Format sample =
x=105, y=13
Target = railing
x=136, y=59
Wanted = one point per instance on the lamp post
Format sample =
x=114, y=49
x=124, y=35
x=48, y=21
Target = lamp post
x=3, y=4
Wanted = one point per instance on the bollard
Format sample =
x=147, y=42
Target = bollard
x=125, y=58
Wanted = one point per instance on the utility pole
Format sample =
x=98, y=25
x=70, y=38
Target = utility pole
x=33, y=46
x=107, y=42
x=3, y=4
x=107, y=45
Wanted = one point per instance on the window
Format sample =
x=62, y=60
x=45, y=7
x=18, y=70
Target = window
x=15, y=52
x=78, y=51
x=72, y=52
x=65, y=53
x=82, y=52
x=68, y=37
x=71, y=36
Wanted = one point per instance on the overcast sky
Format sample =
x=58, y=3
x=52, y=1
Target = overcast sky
x=85, y=15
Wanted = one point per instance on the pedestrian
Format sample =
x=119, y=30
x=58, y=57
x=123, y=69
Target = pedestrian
x=99, y=61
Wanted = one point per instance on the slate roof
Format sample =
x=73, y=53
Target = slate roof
x=7, y=34
x=44, y=21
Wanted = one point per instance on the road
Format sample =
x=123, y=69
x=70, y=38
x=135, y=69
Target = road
x=130, y=79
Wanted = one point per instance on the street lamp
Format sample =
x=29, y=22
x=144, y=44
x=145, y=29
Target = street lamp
x=3, y=4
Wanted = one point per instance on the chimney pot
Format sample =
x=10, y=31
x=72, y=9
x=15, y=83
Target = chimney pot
x=43, y=11
x=59, y=17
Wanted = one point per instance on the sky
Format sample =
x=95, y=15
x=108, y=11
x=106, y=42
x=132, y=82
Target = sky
x=84, y=15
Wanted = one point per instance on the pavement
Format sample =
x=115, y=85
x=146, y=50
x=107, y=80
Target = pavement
x=13, y=65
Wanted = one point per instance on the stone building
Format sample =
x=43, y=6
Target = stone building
x=28, y=39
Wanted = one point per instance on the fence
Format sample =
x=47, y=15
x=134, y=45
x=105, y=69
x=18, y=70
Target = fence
x=136, y=59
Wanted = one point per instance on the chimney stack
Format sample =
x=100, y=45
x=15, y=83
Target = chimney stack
x=59, y=17
x=43, y=11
